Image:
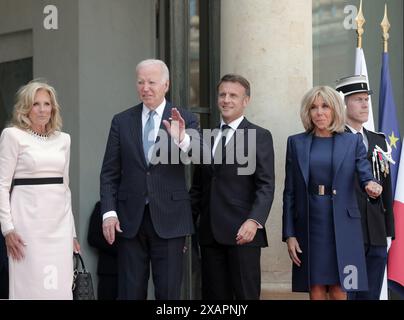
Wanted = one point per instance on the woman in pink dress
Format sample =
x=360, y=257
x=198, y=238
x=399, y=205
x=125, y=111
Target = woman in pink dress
x=35, y=201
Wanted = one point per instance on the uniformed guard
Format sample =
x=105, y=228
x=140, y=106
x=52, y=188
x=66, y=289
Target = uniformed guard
x=377, y=214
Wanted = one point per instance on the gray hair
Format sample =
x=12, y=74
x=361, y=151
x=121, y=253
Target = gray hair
x=150, y=62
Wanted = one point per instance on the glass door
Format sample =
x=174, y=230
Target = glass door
x=188, y=40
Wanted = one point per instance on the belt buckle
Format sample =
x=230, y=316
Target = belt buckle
x=321, y=190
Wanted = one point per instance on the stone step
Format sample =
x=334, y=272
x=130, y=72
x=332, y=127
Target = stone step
x=281, y=292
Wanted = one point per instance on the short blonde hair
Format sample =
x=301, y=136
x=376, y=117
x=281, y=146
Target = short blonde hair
x=24, y=101
x=332, y=99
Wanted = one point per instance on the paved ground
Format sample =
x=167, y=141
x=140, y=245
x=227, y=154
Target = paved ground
x=282, y=295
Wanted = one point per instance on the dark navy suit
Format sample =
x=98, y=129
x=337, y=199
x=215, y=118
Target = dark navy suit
x=155, y=231
x=349, y=157
x=223, y=200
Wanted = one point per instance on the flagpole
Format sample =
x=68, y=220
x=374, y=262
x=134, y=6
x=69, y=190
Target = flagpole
x=360, y=21
x=385, y=27
x=390, y=126
x=360, y=63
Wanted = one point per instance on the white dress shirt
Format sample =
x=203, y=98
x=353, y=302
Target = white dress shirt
x=365, y=138
x=230, y=132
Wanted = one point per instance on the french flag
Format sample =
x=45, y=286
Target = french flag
x=395, y=269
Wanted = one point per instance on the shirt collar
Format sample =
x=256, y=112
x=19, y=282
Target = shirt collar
x=234, y=124
x=356, y=131
x=159, y=110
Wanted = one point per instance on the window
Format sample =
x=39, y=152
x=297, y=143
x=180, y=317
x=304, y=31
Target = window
x=13, y=74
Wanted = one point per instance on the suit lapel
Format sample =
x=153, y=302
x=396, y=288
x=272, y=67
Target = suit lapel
x=303, y=155
x=214, y=166
x=340, y=148
x=166, y=115
x=231, y=144
x=371, y=144
x=137, y=132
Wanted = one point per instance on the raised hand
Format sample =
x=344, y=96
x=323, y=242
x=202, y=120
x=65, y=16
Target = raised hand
x=176, y=125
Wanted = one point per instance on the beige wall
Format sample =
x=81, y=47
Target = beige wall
x=270, y=43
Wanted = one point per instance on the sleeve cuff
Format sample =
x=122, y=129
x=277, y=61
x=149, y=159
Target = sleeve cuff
x=258, y=224
x=6, y=229
x=109, y=214
x=185, y=143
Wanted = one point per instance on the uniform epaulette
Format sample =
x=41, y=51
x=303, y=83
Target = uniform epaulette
x=381, y=134
x=378, y=133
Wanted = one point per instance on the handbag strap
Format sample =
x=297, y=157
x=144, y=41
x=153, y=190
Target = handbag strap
x=78, y=257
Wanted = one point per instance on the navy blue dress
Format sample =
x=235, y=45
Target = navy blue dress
x=322, y=247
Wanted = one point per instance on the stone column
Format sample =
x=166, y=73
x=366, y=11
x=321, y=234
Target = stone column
x=270, y=43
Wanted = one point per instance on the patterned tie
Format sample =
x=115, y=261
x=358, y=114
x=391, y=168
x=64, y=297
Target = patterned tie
x=148, y=135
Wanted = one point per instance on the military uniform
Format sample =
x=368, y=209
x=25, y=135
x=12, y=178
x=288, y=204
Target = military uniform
x=377, y=214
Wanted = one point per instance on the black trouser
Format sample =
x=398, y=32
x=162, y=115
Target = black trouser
x=231, y=272
x=107, y=287
x=4, y=282
x=376, y=259
x=135, y=256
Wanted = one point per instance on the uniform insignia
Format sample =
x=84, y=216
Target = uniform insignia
x=380, y=162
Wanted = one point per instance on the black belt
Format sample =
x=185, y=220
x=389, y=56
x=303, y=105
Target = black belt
x=319, y=189
x=35, y=181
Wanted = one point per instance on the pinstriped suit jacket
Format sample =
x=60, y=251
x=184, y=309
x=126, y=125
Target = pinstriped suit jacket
x=126, y=179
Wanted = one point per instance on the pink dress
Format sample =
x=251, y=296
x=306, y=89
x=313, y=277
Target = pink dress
x=40, y=214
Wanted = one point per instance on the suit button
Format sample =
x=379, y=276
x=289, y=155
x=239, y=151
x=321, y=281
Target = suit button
x=148, y=173
x=334, y=192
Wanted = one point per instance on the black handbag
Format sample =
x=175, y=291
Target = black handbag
x=82, y=282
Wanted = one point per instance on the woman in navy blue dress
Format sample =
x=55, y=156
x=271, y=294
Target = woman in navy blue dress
x=321, y=219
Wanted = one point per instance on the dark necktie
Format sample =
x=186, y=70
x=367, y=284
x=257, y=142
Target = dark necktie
x=361, y=138
x=225, y=129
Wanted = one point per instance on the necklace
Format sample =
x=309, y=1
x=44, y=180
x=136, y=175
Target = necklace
x=40, y=136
